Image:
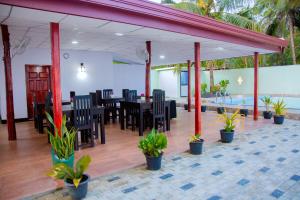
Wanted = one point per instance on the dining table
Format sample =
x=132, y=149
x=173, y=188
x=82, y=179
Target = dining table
x=97, y=113
x=109, y=103
x=141, y=106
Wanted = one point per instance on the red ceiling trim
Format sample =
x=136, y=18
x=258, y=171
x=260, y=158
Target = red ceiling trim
x=152, y=15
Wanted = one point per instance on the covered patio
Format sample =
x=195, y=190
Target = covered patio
x=92, y=36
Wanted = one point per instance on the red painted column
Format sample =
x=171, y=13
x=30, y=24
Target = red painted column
x=148, y=70
x=189, y=85
x=55, y=74
x=255, y=109
x=11, y=128
x=197, y=89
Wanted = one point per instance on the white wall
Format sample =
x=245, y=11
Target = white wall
x=101, y=73
x=129, y=77
x=168, y=81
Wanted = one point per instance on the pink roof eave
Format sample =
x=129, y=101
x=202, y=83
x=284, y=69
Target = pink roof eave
x=152, y=15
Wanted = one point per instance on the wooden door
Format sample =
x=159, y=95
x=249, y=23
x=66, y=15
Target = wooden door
x=37, y=84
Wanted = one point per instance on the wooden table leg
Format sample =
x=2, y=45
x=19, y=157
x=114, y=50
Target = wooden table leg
x=141, y=119
x=102, y=128
x=121, y=115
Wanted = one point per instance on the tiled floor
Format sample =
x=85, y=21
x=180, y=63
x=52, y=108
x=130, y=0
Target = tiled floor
x=260, y=164
x=31, y=152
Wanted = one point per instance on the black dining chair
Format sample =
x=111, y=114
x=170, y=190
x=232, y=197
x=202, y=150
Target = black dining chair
x=99, y=97
x=94, y=98
x=83, y=121
x=125, y=94
x=132, y=113
x=107, y=93
x=158, y=109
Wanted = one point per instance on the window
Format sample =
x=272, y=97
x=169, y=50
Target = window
x=183, y=83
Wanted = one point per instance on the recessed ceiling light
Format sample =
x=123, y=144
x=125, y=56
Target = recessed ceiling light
x=74, y=42
x=119, y=34
x=162, y=57
x=220, y=48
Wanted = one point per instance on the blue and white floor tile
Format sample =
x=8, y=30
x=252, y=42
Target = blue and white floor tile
x=260, y=164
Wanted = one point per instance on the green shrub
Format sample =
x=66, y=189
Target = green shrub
x=229, y=120
x=203, y=88
x=267, y=101
x=63, y=146
x=153, y=143
x=279, y=107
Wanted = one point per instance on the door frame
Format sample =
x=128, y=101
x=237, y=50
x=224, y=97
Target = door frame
x=26, y=78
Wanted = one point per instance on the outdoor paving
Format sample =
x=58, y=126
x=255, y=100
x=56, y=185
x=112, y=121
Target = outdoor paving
x=259, y=164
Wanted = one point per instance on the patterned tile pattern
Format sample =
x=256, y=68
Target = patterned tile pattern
x=268, y=168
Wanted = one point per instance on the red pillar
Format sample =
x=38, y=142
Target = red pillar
x=148, y=68
x=189, y=85
x=255, y=109
x=55, y=74
x=197, y=89
x=11, y=128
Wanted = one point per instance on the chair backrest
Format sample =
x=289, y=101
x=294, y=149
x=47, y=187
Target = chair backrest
x=107, y=93
x=82, y=111
x=132, y=95
x=158, y=102
x=48, y=102
x=94, y=99
x=125, y=94
x=99, y=96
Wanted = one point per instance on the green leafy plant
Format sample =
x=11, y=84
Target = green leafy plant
x=153, y=143
x=267, y=101
x=63, y=146
x=216, y=88
x=203, y=88
x=279, y=107
x=195, y=138
x=62, y=171
x=229, y=120
x=223, y=85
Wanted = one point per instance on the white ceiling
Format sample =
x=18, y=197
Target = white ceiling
x=99, y=35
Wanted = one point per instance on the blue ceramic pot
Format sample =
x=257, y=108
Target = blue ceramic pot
x=55, y=160
x=267, y=114
x=153, y=163
x=226, y=137
x=196, y=147
x=203, y=108
x=220, y=110
x=79, y=192
x=278, y=119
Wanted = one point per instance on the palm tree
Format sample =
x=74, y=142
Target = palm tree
x=280, y=18
x=219, y=10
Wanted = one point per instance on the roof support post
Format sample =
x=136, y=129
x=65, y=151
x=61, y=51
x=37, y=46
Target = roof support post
x=255, y=109
x=148, y=70
x=11, y=127
x=197, y=89
x=189, y=85
x=55, y=75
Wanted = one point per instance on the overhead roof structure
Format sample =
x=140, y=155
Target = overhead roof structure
x=122, y=27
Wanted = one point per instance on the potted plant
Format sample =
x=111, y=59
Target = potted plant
x=196, y=144
x=203, y=107
x=185, y=106
x=220, y=109
x=75, y=179
x=279, y=108
x=227, y=133
x=215, y=89
x=268, y=102
x=223, y=86
x=243, y=110
x=62, y=150
x=152, y=146
x=203, y=89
